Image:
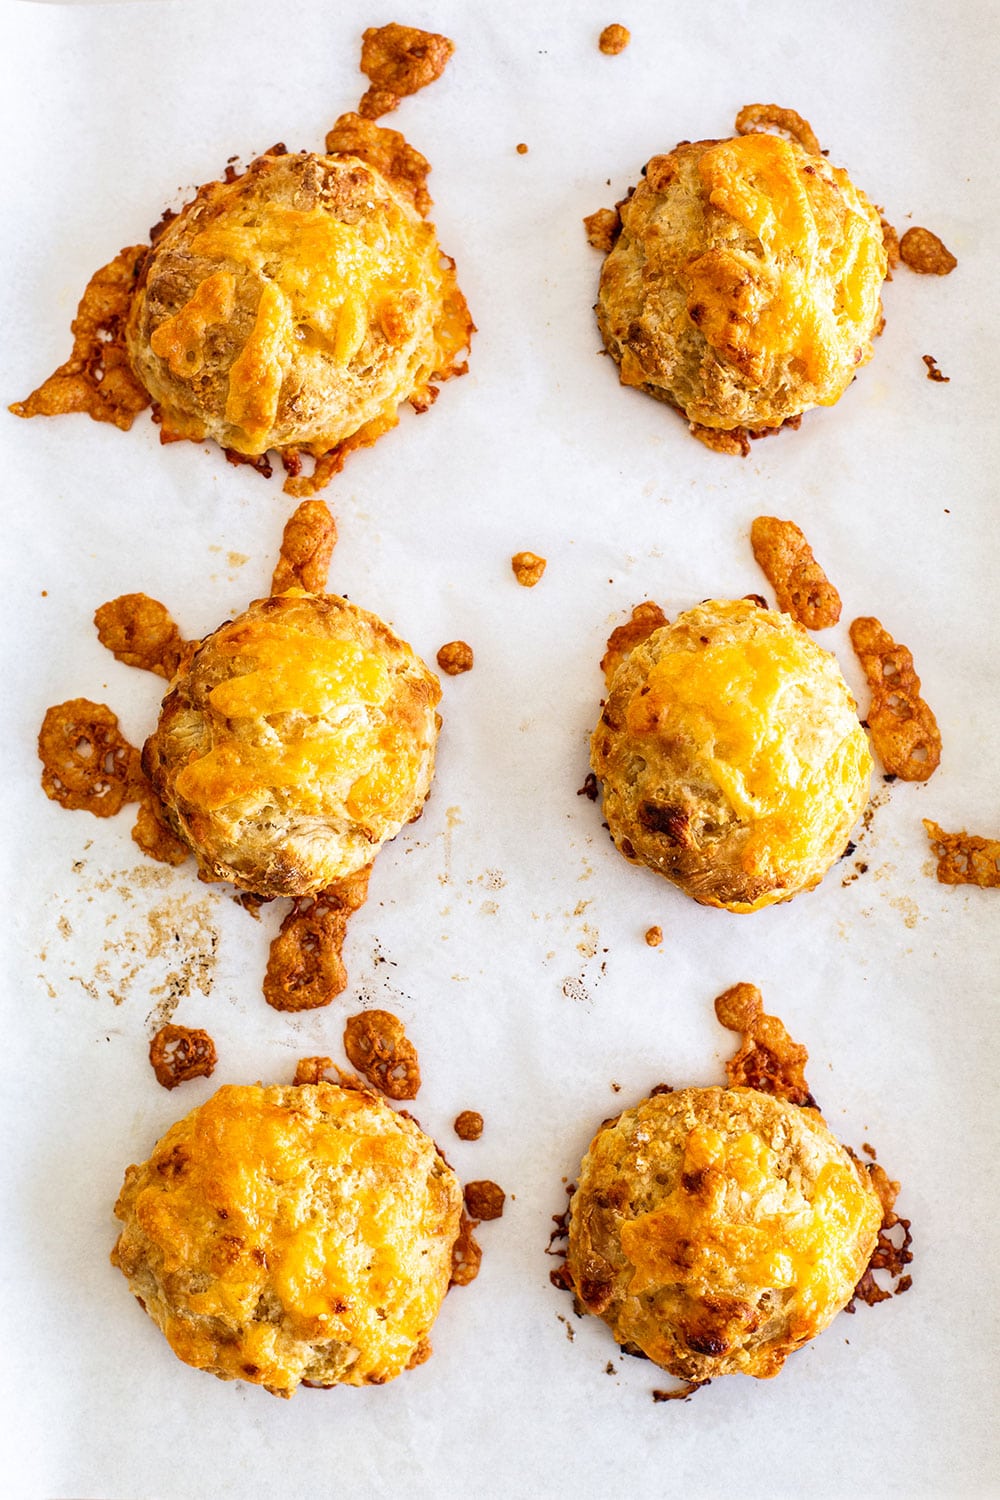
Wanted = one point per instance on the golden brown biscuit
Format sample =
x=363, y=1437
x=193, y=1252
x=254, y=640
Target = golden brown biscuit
x=285, y=1234
x=717, y=1230
x=296, y=740
x=731, y=756
x=292, y=307
x=744, y=285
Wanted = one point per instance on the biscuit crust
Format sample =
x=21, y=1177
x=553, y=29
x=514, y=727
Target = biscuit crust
x=731, y=756
x=292, y=307
x=289, y=1234
x=717, y=1230
x=744, y=286
x=293, y=743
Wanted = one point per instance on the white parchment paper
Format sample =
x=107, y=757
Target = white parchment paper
x=503, y=928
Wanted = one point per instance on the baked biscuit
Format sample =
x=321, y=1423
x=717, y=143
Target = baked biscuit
x=717, y=1230
x=292, y=308
x=731, y=756
x=744, y=285
x=280, y=1235
x=293, y=743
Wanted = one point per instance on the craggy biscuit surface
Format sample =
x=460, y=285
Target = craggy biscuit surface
x=744, y=286
x=292, y=307
x=717, y=1230
x=731, y=756
x=285, y=1234
x=298, y=739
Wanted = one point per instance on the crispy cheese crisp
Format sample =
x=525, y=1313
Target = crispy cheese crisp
x=180, y=1053
x=622, y=641
x=153, y=833
x=964, y=858
x=614, y=39
x=97, y=378
x=768, y=1058
x=304, y=968
x=140, y=632
x=307, y=545
x=398, y=61
x=87, y=763
x=484, y=1199
x=603, y=228
x=387, y=151
x=376, y=1043
x=469, y=1125
x=455, y=657
x=466, y=1253
x=754, y=117
x=801, y=587
x=890, y=239
x=923, y=252
x=528, y=568
x=904, y=731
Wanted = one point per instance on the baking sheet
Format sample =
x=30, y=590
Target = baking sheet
x=503, y=928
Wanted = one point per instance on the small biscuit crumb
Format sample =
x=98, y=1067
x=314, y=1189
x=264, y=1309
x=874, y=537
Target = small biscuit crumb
x=455, y=657
x=654, y=937
x=614, y=39
x=528, y=568
x=521, y=149
x=484, y=1199
x=469, y=1125
x=923, y=252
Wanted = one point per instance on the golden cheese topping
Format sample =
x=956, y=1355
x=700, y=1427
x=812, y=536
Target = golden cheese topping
x=783, y=196
x=180, y=340
x=322, y=689
x=322, y=283
x=294, y=742
x=731, y=1223
x=320, y=1205
x=774, y=726
x=294, y=672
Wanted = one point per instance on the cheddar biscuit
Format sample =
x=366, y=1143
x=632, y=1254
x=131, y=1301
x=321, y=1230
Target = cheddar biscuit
x=744, y=285
x=292, y=307
x=294, y=741
x=717, y=1230
x=731, y=756
x=280, y=1235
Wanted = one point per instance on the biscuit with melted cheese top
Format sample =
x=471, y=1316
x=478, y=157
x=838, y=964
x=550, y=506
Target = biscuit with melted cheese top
x=279, y=1235
x=717, y=1230
x=293, y=743
x=293, y=307
x=744, y=286
x=731, y=756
